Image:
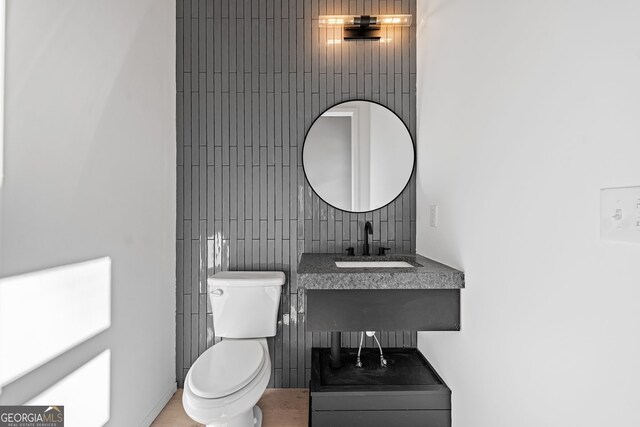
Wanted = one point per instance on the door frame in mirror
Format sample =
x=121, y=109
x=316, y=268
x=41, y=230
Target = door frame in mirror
x=359, y=187
x=352, y=112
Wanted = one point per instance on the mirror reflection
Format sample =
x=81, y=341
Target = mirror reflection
x=358, y=156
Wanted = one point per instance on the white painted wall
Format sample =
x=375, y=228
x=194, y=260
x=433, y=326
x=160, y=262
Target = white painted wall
x=90, y=172
x=525, y=110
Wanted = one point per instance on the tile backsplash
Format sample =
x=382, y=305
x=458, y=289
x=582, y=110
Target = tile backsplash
x=251, y=77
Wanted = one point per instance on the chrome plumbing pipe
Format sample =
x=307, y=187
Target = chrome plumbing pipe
x=383, y=361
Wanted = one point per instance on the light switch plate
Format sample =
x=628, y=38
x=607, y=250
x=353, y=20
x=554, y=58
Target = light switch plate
x=620, y=214
x=433, y=218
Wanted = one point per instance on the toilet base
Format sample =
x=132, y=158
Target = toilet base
x=252, y=417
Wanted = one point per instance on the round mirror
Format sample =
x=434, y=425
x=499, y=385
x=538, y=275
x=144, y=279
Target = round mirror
x=358, y=156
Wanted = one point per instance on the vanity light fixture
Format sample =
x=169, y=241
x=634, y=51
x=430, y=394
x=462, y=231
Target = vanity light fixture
x=363, y=27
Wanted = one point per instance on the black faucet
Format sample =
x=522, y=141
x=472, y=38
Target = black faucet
x=383, y=251
x=368, y=229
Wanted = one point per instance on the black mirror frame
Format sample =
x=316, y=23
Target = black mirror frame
x=413, y=145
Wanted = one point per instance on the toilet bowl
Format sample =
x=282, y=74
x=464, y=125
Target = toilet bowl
x=220, y=406
x=224, y=384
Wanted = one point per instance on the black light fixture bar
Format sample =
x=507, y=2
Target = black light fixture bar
x=363, y=27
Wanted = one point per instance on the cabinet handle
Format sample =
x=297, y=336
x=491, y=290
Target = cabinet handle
x=217, y=292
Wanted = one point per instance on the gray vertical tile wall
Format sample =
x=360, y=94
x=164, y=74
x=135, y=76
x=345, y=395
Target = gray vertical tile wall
x=251, y=78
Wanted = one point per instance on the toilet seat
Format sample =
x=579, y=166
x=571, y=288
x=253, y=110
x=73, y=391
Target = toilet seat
x=214, y=411
x=226, y=368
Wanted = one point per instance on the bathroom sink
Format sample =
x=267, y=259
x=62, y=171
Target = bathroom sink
x=398, y=292
x=373, y=264
x=396, y=271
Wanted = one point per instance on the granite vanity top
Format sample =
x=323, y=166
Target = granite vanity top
x=319, y=271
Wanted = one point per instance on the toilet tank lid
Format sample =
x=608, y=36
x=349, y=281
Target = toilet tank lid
x=247, y=278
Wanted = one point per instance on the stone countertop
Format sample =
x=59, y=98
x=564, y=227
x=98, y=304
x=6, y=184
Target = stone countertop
x=319, y=271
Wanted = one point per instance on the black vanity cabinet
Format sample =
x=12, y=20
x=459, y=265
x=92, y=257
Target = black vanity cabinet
x=407, y=393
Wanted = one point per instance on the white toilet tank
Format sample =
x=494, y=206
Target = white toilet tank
x=245, y=303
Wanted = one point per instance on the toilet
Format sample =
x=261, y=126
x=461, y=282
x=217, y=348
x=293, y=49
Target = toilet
x=227, y=380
